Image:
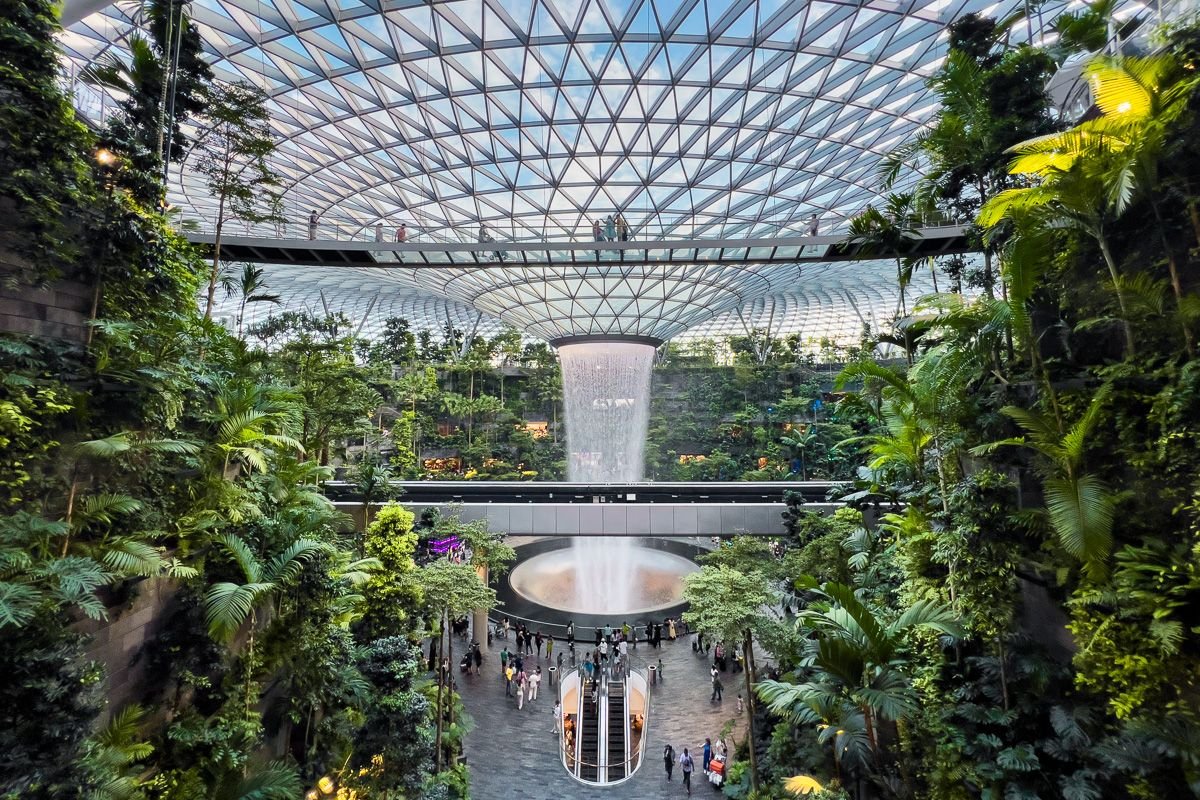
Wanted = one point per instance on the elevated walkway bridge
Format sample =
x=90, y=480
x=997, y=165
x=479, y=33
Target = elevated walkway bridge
x=787, y=249
x=549, y=508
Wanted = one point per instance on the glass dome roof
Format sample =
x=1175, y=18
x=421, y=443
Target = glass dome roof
x=696, y=119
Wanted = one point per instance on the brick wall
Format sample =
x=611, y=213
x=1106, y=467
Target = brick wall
x=117, y=641
x=59, y=311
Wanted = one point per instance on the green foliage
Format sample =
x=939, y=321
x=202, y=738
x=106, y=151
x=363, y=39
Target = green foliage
x=394, y=591
x=49, y=700
x=394, y=748
x=44, y=178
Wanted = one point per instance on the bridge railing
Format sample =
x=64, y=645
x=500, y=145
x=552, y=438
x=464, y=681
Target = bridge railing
x=297, y=225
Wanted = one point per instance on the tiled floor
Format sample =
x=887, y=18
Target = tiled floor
x=513, y=754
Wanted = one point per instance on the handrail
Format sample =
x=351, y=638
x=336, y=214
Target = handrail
x=295, y=221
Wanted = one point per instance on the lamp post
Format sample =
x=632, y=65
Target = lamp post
x=109, y=165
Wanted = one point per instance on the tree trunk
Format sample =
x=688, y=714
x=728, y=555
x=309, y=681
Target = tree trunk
x=216, y=262
x=748, y=654
x=438, y=666
x=1176, y=285
x=1130, y=349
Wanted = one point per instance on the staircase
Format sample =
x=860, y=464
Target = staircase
x=616, y=731
x=589, y=735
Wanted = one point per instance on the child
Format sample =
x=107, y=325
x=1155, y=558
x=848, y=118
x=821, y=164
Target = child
x=741, y=707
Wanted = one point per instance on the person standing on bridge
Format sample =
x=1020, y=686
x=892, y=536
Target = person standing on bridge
x=379, y=231
x=401, y=234
x=610, y=228
x=313, y=219
x=813, y=225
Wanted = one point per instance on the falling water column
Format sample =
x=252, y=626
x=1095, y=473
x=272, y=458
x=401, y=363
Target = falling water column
x=606, y=388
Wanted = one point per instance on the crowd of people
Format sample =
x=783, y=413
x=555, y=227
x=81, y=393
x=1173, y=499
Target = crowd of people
x=612, y=229
x=607, y=654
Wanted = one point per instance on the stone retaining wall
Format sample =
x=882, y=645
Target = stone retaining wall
x=117, y=641
x=59, y=311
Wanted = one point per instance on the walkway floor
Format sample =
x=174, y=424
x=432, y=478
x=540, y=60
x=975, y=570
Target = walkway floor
x=513, y=753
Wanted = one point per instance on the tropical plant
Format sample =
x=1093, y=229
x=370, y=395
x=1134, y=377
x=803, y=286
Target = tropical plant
x=800, y=440
x=229, y=605
x=249, y=286
x=113, y=754
x=855, y=663
x=728, y=605
x=231, y=155
x=450, y=590
x=1080, y=506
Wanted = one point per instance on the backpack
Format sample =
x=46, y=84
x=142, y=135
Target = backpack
x=687, y=763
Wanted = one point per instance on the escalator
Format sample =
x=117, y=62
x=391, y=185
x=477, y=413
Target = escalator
x=615, y=741
x=589, y=735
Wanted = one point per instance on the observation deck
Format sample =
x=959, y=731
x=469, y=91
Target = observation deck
x=506, y=254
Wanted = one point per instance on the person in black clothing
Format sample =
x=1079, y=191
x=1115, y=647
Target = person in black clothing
x=657, y=636
x=571, y=633
x=539, y=639
x=649, y=634
x=669, y=760
x=478, y=656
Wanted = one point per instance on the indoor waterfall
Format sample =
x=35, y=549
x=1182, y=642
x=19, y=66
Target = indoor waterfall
x=606, y=390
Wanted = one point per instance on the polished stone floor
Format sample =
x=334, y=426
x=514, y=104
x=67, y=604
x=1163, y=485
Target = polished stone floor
x=512, y=754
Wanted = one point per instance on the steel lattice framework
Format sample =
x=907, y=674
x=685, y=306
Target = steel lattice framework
x=691, y=118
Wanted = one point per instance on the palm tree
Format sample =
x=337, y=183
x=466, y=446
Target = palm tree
x=800, y=441
x=274, y=781
x=1080, y=506
x=1086, y=177
x=888, y=231
x=228, y=605
x=112, y=755
x=246, y=424
x=857, y=670
x=250, y=287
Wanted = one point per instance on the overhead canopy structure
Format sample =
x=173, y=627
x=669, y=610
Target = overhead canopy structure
x=696, y=119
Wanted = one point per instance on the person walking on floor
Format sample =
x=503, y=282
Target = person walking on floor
x=478, y=659
x=509, y=672
x=707, y=754
x=686, y=765
x=550, y=647
x=538, y=640
x=522, y=684
x=717, y=688
x=571, y=634
x=528, y=643
x=671, y=629
x=649, y=634
x=604, y=650
x=669, y=759
x=505, y=624
x=557, y=716
x=535, y=680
